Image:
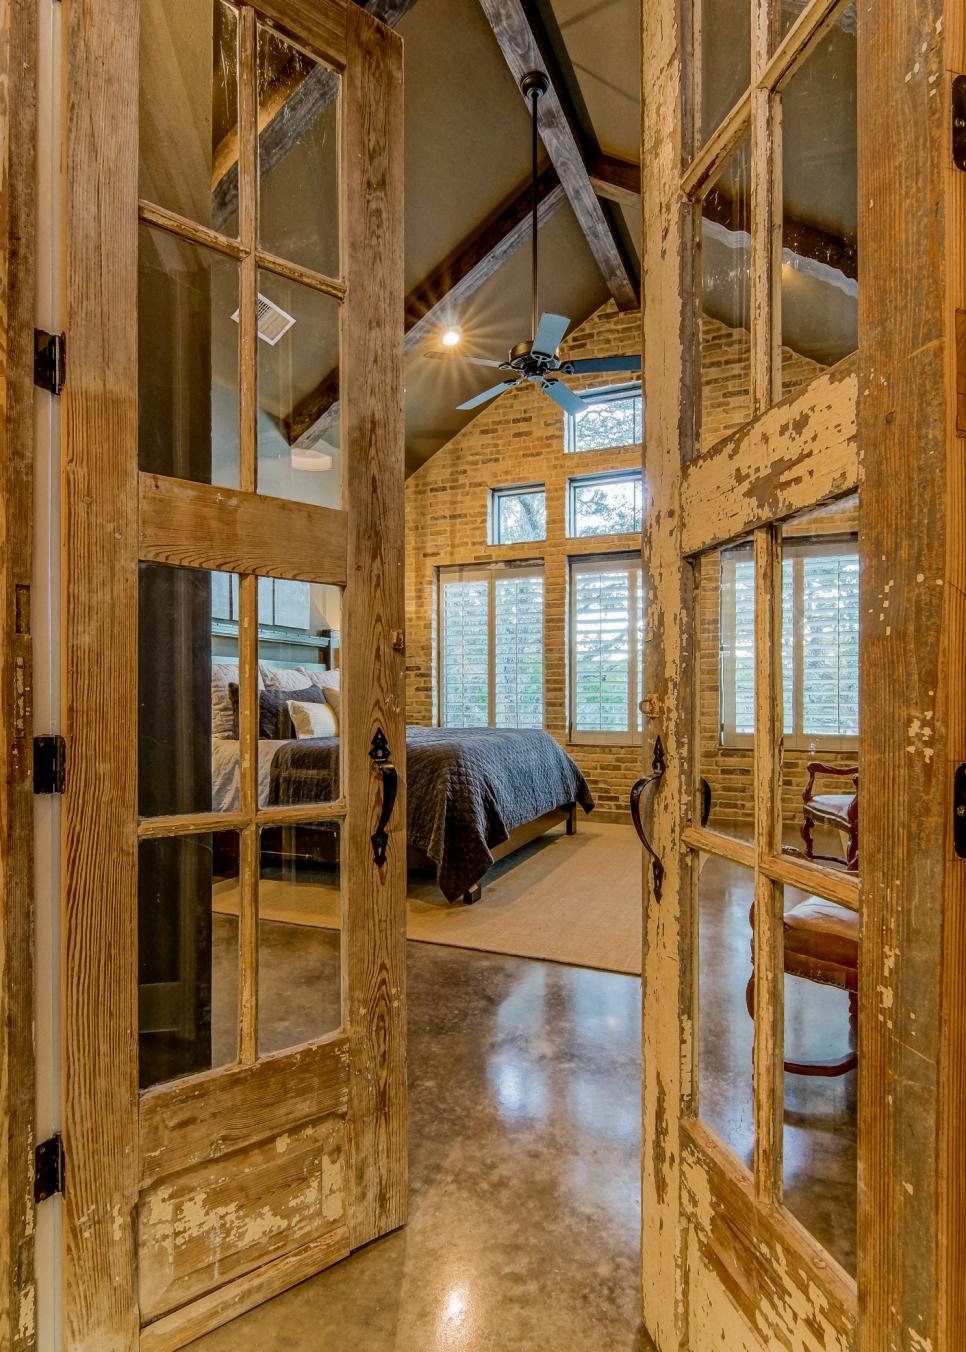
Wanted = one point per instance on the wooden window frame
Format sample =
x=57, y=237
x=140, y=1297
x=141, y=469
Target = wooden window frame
x=496, y=495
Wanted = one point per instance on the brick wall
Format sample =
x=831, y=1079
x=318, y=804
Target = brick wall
x=519, y=440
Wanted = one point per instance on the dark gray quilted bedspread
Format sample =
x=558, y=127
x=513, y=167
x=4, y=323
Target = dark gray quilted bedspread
x=467, y=789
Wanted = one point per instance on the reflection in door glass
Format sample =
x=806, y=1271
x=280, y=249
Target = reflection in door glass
x=298, y=156
x=299, y=455
x=725, y=59
x=725, y=691
x=189, y=110
x=187, y=957
x=820, y=684
x=299, y=924
x=821, y=961
x=726, y=299
x=187, y=360
x=725, y=896
x=819, y=276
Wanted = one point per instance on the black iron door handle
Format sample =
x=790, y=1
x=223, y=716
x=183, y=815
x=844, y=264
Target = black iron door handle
x=650, y=781
x=379, y=754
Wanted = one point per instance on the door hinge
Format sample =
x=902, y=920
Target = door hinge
x=959, y=122
x=50, y=360
x=959, y=811
x=50, y=764
x=49, y=1167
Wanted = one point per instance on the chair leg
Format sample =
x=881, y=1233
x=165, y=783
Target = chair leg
x=474, y=895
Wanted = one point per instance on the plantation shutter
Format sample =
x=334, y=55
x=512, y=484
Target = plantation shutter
x=606, y=634
x=465, y=654
x=518, y=652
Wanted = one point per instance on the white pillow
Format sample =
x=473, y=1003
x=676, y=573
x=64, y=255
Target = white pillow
x=222, y=716
x=313, y=720
x=283, y=678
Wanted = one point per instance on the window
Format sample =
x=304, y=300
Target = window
x=612, y=418
x=606, y=637
x=604, y=504
x=518, y=515
x=820, y=643
x=491, y=647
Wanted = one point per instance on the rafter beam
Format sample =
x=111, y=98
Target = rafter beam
x=523, y=37
x=616, y=179
x=464, y=271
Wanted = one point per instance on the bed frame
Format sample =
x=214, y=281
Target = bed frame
x=315, y=844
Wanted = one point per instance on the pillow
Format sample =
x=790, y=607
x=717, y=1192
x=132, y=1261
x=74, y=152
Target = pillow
x=221, y=716
x=274, y=722
x=313, y=719
x=283, y=678
x=330, y=683
x=333, y=697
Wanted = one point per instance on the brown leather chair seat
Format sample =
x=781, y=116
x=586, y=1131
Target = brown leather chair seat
x=822, y=943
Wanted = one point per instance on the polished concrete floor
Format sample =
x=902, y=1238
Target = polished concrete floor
x=524, y=1148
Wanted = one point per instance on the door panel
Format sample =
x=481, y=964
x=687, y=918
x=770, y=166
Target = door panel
x=246, y=572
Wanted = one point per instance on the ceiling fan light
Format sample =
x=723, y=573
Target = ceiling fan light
x=315, y=461
x=451, y=337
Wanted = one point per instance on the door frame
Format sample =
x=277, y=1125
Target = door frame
x=18, y=163
x=891, y=411
x=112, y=518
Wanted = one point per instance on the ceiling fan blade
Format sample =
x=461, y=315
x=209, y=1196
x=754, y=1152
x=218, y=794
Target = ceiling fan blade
x=491, y=393
x=588, y=365
x=462, y=356
x=568, y=401
x=550, y=334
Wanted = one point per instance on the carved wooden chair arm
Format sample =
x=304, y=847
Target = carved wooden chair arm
x=820, y=768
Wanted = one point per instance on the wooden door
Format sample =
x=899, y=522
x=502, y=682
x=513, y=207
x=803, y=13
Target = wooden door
x=803, y=226
x=234, y=1101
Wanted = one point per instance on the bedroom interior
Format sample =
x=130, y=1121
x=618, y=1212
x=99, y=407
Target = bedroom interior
x=468, y=462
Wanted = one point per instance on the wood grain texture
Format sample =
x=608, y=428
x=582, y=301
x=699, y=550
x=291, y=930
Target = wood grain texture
x=235, y=1298
x=517, y=31
x=617, y=179
x=18, y=119
x=202, y=526
x=373, y=920
x=319, y=25
x=800, y=453
x=912, y=513
x=832, y=884
x=220, y=1221
x=185, y=1124
x=99, y=405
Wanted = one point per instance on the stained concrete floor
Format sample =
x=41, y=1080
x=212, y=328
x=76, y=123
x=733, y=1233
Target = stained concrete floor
x=524, y=1149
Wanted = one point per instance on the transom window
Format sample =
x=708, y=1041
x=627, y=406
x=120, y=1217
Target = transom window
x=518, y=515
x=820, y=643
x=606, y=634
x=604, y=504
x=613, y=417
x=491, y=647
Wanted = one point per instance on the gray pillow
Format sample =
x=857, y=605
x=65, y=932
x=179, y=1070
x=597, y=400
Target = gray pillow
x=274, y=719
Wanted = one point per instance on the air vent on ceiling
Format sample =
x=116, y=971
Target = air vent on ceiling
x=273, y=321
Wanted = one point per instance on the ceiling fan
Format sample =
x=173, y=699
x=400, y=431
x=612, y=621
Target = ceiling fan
x=536, y=359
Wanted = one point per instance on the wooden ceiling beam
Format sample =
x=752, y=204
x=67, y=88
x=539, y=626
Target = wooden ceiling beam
x=472, y=263
x=524, y=41
x=616, y=179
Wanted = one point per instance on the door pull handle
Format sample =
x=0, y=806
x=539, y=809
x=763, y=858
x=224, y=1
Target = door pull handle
x=651, y=782
x=379, y=755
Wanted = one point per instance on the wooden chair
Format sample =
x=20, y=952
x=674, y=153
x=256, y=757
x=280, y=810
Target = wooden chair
x=840, y=811
x=821, y=943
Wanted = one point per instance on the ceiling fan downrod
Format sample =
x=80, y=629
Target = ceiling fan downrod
x=533, y=84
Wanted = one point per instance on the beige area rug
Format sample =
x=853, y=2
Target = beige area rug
x=572, y=899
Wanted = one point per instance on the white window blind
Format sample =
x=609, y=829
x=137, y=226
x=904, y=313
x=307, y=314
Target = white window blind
x=820, y=642
x=491, y=647
x=606, y=638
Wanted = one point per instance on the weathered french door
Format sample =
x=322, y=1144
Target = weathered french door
x=234, y=1083
x=804, y=557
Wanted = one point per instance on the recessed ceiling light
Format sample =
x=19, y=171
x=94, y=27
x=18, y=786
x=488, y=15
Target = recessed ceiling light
x=311, y=460
x=451, y=338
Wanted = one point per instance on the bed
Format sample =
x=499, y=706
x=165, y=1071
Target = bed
x=474, y=795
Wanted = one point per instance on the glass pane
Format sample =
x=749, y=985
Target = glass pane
x=605, y=505
x=726, y=1030
x=300, y=705
x=298, y=155
x=725, y=713
x=187, y=957
x=299, y=919
x=820, y=683
x=821, y=960
x=187, y=360
x=187, y=661
x=819, y=276
x=519, y=516
x=465, y=652
x=298, y=393
x=725, y=59
x=518, y=651
x=189, y=110
x=726, y=299
x=608, y=422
